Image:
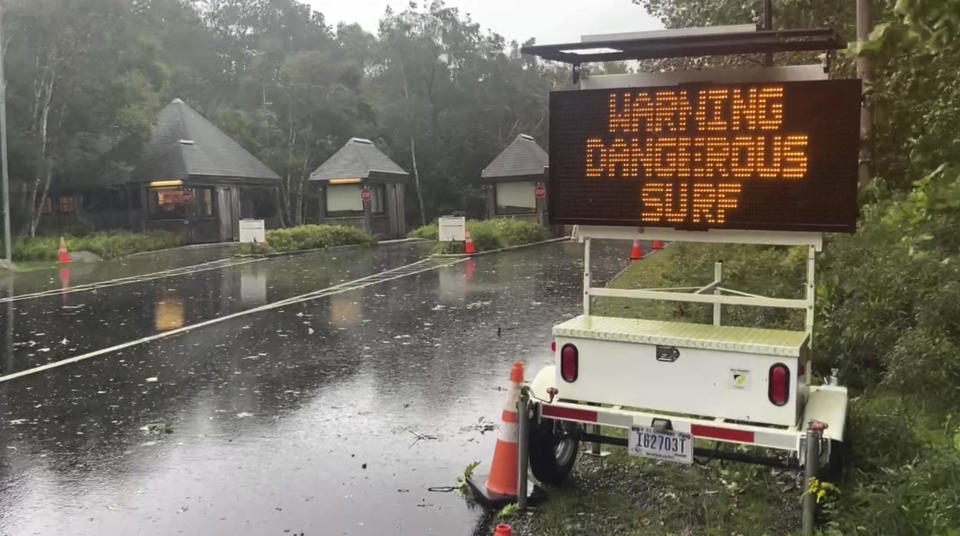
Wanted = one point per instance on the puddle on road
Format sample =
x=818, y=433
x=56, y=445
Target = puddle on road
x=327, y=417
x=48, y=329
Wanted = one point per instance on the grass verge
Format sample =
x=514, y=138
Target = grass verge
x=487, y=235
x=107, y=245
x=625, y=495
x=316, y=237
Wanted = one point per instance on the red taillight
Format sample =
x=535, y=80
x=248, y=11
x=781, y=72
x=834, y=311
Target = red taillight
x=553, y=346
x=779, y=388
x=569, y=363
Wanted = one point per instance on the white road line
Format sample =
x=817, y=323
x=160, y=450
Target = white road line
x=375, y=279
x=172, y=272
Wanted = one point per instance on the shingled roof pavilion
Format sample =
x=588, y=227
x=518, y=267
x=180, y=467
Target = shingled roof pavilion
x=359, y=171
x=197, y=181
x=511, y=180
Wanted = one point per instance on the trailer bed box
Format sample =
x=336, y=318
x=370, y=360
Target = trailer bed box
x=721, y=372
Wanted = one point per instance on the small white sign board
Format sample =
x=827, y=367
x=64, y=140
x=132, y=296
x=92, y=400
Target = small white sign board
x=252, y=231
x=452, y=229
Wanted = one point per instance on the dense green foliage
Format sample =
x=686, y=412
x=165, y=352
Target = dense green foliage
x=108, y=245
x=888, y=297
x=316, y=236
x=438, y=93
x=487, y=235
x=429, y=231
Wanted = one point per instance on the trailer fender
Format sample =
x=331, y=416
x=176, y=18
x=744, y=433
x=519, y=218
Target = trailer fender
x=827, y=404
x=544, y=380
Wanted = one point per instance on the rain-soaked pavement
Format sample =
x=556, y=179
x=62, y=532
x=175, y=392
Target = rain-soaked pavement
x=331, y=416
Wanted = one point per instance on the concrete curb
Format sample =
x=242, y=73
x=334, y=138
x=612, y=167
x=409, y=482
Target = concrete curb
x=501, y=250
x=188, y=246
x=344, y=246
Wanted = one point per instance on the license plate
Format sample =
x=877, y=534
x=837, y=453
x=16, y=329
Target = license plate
x=667, y=446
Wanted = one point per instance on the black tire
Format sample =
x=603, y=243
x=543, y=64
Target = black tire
x=553, y=449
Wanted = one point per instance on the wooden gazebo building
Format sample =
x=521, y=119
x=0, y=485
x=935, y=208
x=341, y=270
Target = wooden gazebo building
x=512, y=180
x=362, y=187
x=196, y=181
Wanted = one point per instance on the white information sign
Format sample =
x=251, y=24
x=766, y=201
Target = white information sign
x=252, y=231
x=452, y=229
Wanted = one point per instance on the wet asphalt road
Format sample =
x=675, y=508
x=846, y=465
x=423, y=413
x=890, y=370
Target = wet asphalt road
x=302, y=419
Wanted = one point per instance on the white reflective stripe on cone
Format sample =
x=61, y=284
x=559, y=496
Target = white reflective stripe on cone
x=509, y=432
x=513, y=396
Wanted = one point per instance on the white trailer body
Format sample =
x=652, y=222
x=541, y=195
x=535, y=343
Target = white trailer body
x=750, y=375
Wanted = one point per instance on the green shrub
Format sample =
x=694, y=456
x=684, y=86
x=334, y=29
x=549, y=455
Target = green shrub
x=316, y=236
x=889, y=298
x=426, y=232
x=107, y=245
x=492, y=234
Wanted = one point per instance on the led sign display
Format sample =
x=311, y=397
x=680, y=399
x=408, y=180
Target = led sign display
x=757, y=156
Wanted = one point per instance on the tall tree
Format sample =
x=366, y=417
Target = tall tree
x=449, y=97
x=78, y=97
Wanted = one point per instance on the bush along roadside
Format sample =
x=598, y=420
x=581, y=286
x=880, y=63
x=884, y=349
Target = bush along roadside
x=316, y=237
x=107, y=245
x=487, y=235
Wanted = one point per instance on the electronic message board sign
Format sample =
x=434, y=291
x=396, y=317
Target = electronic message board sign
x=755, y=156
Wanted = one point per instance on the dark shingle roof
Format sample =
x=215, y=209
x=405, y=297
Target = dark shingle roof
x=357, y=159
x=184, y=143
x=523, y=157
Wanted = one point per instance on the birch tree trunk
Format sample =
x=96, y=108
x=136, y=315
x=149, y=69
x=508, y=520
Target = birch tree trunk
x=41, y=184
x=413, y=149
x=416, y=179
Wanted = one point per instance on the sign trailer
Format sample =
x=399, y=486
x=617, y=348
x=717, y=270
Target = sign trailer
x=762, y=156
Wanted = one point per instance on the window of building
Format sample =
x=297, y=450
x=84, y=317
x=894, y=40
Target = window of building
x=204, y=199
x=378, y=197
x=343, y=199
x=261, y=203
x=167, y=203
x=66, y=204
x=515, y=197
x=47, y=206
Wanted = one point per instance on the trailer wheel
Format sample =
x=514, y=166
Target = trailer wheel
x=553, y=449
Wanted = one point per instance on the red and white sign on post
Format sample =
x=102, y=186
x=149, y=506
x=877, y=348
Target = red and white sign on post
x=540, y=191
x=366, y=194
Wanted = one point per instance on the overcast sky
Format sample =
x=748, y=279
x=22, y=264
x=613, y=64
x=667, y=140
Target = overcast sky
x=549, y=21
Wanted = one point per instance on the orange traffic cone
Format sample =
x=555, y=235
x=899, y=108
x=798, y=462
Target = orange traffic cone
x=503, y=470
x=503, y=530
x=500, y=486
x=657, y=245
x=637, y=253
x=470, y=249
x=62, y=252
